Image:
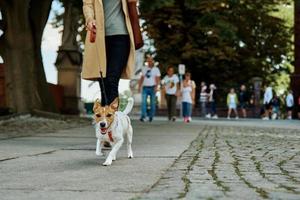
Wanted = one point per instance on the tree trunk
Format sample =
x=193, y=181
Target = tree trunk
x=26, y=84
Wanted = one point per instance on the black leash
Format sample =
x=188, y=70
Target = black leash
x=103, y=87
x=101, y=82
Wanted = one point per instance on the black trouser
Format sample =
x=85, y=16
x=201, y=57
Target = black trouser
x=117, y=53
x=171, y=104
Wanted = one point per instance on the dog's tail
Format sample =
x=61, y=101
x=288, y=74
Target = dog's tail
x=129, y=106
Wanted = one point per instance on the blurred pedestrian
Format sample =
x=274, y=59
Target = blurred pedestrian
x=188, y=97
x=171, y=86
x=232, y=103
x=243, y=100
x=252, y=104
x=275, y=102
x=148, y=85
x=203, y=99
x=289, y=104
x=268, y=96
x=212, y=96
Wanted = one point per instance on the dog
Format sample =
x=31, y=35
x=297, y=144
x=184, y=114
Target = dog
x=112, y=126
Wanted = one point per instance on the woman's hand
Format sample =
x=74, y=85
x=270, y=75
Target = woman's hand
x=91, y=26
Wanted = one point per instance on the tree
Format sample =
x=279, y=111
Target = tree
x=226, y=42
x=26, y=86
x=295, y=84
x=77, y=13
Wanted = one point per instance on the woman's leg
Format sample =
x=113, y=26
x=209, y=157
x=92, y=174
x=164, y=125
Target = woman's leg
x=229, y=112
x=184, y=109
x=117, y=53
x=236, y=113
x=189, y=110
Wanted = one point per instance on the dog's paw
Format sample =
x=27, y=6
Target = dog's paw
x=114, y=158
x=99, y=153
x=107, y=163
x=130, y=156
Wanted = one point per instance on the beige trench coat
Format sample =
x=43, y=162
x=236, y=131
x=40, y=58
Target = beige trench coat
x=93, y=9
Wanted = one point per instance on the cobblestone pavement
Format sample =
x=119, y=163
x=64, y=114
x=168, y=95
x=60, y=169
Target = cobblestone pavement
x=229, y=162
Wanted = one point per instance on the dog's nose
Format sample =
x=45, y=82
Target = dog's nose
x=102, y=124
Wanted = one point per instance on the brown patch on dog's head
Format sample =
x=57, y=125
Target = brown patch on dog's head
x=105, y=114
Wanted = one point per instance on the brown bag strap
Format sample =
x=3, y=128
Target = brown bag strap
x=136, y=29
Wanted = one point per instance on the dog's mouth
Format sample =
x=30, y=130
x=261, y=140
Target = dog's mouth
x=103, y=131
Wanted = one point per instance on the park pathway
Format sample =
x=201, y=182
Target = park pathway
x=202, y=160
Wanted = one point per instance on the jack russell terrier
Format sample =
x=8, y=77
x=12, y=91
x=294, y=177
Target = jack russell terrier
x=112, y=126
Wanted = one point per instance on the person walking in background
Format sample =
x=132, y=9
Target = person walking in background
x=188, y=97
x=252, y=104
x=243, y=100
x=171, y=86
x=203, y=99
x=275, y=102
x=268, y=96
x=148, y=85
x=212, y=96
x=232, y=102
x=289, y=104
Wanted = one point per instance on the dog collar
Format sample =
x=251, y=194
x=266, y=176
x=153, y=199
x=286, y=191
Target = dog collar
x=110, y=136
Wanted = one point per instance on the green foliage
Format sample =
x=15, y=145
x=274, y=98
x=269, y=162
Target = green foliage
x=226, y=42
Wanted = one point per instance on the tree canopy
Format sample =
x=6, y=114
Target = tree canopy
x=226, y=42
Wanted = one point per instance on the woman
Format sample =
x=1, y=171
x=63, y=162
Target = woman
x=232, y=102
x=188, y=97
x=113, y=51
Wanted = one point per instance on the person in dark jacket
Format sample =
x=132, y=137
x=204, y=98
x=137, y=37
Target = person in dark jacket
x=243, y=100
x=276, y=107
x=212, y=97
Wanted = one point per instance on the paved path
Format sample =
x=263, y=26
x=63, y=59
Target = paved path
x=202, y=160
x=235, y=163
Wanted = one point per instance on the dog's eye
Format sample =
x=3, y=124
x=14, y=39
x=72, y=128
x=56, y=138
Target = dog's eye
x=98, y=115
x=108, y=115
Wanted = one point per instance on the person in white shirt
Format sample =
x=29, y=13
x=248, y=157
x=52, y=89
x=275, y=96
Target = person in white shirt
x=268, y=96
x=212, y=98
x=148, y=85
x=203, y=99
x=188, y=97
x=289, y=104
x=171, y=85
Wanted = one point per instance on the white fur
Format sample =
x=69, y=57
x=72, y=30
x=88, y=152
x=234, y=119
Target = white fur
x=120, y=127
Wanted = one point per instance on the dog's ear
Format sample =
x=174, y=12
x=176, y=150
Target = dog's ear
x=115, y=104
x=97, y=105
